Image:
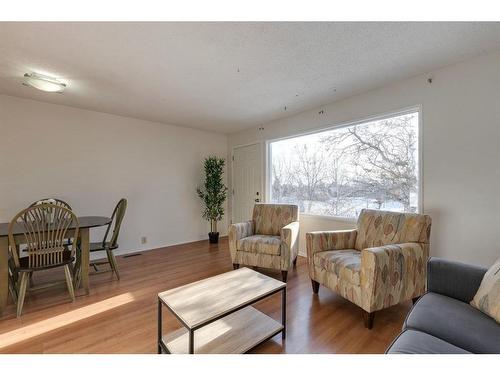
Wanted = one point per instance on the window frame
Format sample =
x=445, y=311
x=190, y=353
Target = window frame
x=400, y=112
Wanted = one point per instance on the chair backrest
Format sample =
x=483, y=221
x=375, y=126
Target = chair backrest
x=379, y=228
x=45, y=230
x=116, y=218
x=57, y=202
x=270, y=218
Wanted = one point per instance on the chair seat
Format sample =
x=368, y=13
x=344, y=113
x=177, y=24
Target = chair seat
x=98, y=246
x=345, y=264
x=261, y=244
x=24, y=263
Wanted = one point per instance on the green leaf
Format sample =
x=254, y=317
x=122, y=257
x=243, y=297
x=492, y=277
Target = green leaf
x=214, y=192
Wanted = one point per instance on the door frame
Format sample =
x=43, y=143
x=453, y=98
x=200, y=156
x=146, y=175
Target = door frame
x=262, y=173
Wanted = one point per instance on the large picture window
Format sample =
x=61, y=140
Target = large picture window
x=338, y=172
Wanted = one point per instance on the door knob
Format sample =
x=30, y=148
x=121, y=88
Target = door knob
x=257, y=200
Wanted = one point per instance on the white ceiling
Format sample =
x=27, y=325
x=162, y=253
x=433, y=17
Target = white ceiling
x=226, y=76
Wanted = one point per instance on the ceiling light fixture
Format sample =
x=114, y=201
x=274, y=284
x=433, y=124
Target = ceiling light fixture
x=43, y=82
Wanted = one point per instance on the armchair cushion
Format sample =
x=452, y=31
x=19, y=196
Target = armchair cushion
x=379, y=228
x=330, y=240
x=270, y=218
x=345, y=264
x=260, y=244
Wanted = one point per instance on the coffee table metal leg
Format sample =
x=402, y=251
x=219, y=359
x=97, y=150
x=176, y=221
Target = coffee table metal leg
x=283, y=312
x=159, y=327
x=191, y=341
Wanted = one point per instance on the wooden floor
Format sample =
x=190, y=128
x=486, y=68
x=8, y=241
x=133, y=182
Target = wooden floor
x=120, y=316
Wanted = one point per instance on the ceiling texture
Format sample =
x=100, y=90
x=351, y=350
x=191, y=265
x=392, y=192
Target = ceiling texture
x=226, y=77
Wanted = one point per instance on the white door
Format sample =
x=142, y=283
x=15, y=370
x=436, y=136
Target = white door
x=247, y=181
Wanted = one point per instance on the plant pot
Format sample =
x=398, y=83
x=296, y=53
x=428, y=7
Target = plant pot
x=213, y=237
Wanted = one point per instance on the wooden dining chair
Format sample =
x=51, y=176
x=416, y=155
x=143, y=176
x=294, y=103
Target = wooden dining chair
x=57, y=202
x=108, y=246
x=45, y=235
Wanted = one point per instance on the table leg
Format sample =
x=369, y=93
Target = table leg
x=191, y=341
x=4, y=273
x=85, y=258
x=160, y=326
x=283, y=312
x=77, y=274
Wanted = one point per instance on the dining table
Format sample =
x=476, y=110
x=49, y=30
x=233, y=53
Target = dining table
x=85, y=223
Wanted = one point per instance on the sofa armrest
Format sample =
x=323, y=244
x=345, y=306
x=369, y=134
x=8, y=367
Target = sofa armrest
x=237, y=232
x=454, y=279
x=391, y=274
x=330, y=240
x=290, y=243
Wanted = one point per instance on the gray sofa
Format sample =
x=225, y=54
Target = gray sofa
x=442, y=320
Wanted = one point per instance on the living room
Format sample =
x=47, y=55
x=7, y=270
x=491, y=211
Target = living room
x=249, y=187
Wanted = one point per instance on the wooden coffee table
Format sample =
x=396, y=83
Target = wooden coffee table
x=217, y=314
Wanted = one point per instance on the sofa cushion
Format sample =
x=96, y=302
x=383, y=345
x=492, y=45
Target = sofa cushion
x=416, y=342
x=487, y=298
x=345, y=264
x=456, y=322
x=260, y=244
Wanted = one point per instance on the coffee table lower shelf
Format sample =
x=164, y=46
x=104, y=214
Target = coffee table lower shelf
x=234, y=334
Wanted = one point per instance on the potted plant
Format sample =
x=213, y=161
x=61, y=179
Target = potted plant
x=213, y=195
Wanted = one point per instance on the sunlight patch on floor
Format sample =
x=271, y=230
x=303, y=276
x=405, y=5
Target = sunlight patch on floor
x=58, y=321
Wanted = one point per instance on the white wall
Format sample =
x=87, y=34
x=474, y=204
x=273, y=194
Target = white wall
x=92, y=159
x=461, y=152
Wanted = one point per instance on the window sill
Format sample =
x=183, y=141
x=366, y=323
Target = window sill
x=331, y=218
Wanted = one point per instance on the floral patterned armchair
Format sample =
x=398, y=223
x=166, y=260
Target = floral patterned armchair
x=269, y=240
x=377, y=265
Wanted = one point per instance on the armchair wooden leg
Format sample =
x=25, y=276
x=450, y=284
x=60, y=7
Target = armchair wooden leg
x=295, y=262
x=315, y=286
x=368, y=319
x=236, y=266
x=284, y=275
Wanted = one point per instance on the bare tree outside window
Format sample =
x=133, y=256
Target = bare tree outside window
x=310, y=174
x=338, y=172
x=282, y=178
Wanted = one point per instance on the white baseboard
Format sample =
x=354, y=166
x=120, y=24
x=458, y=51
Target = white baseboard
x=119, y=252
